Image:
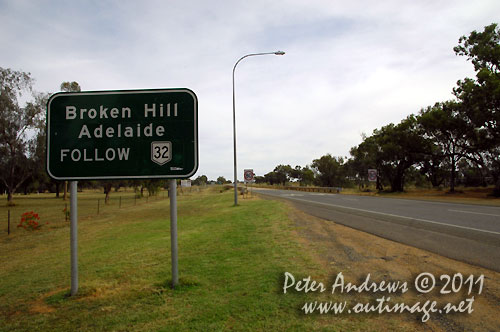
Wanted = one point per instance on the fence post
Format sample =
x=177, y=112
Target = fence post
x=8, y=226
x=65, y=211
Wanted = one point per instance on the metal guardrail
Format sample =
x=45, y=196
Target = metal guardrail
x=313, y=189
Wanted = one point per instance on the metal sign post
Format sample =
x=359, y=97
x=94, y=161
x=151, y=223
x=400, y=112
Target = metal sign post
x=128, y=134
x=172, y=189
x=248, y=175
x=73, y=238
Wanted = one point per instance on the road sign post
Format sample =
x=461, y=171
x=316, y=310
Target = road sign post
x=129, y=134
x=248, y=176
x=74, y=236
x=172, y=189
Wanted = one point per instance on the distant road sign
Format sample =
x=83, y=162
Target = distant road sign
x=129, y=134
x=372, y=175
x=248, y=175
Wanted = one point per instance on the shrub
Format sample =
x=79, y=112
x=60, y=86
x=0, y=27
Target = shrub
x=29, y=221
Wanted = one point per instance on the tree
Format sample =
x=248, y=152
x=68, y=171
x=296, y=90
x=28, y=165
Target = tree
x=200, y=180
x=154, y=186
x=39, y=175
x=17, y=143
x=445, y=127
x=271, y=178
x=307, y=176
x=283, y=173
x=432, y=166
x=107, y=185
x=304, y=175
x=72, y=87
x=365, y=156
x=260, y=179
x=222, y=180
x=392, y=150
x=481, y=98
x=329, y=171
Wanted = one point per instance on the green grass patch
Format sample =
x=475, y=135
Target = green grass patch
x=231, y=266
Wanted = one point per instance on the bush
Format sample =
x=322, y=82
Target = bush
x=29, y=221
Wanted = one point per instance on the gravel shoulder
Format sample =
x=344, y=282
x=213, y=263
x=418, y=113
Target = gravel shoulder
x=356, y=254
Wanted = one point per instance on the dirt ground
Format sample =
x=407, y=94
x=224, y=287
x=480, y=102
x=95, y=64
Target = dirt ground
x=354, y=253
x=481, y=196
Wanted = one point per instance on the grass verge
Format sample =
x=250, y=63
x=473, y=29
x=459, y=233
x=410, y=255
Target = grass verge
x=231, y=266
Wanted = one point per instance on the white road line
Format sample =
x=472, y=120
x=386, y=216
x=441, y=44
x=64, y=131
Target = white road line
x=485, y=214
x=398, y=216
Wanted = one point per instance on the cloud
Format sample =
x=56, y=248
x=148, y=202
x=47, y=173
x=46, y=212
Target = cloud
x=350, y=67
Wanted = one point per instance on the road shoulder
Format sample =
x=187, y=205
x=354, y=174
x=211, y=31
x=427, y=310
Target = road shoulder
x=354, y=253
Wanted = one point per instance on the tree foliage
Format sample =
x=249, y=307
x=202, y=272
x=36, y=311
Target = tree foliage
x=329, y=171
x=200, y=180
x=222, y=180
x=446, y=129
x=451, y=142
x=480, y=98
x=19, y=125
x=70, y=87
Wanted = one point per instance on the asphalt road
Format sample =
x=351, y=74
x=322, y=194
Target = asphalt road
x=469, y=233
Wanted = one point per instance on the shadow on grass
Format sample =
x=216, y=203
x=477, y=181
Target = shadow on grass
x=62, y=296
x=185, y=285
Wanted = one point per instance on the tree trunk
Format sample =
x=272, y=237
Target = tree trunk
x=453, y=175
x=397, y=182
x=379, y=186
x=107, y=191
x=65, y=195
x=452, y=180
x=434, y=181
x=9, y=197
x=496, y=190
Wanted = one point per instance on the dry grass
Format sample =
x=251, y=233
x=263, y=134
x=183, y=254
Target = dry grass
x=481, y=196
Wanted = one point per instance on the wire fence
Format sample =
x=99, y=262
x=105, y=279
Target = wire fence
x=54, y=212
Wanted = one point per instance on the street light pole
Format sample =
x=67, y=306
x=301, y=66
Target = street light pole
x=234, y=120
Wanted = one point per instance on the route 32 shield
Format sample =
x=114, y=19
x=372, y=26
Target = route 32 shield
x=161, y=152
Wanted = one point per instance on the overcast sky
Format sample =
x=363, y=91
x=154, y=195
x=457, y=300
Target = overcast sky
x=350, y=66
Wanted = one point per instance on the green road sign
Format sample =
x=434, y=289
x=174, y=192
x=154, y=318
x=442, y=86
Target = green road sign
x=130, y=134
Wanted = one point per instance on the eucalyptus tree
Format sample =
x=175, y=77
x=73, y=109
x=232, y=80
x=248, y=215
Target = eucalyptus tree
x=446, y=128
x=330, y=171
x=480, y=97
x=19, y=126
x=392, y=150
x=75, y=87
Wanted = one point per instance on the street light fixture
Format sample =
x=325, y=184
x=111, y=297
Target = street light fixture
x=234, y=120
